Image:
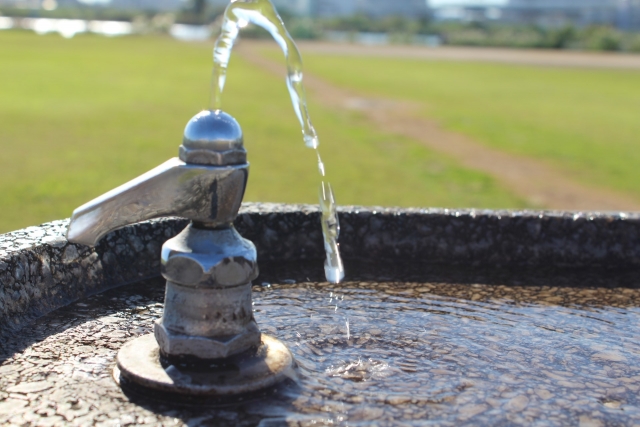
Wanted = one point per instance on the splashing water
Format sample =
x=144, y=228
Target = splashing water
x=238, y=14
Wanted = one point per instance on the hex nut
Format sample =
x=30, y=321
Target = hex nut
x=203, y=156
x=177, y=344
x=234, y=270
x=209, y=257
x=213, y=138
x=138, y=363
x=230, y=271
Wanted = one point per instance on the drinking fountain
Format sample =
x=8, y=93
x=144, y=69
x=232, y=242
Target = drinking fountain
x=448, y=316
x=207, y=341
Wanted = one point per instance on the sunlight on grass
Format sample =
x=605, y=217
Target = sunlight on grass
x=79, y=117
x=583, y=121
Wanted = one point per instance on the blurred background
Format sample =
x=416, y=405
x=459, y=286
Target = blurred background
x=439, y=103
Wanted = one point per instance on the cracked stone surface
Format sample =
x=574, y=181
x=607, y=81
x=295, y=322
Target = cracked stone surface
x=368, y=353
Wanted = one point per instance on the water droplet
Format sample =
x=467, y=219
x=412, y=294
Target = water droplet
x=348, y=329
x=311, y=141
x=320, y=165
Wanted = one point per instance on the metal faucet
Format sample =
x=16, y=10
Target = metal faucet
x=208, y=316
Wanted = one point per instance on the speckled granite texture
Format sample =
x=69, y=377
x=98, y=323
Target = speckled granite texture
x=40, y=270
x=467, y=237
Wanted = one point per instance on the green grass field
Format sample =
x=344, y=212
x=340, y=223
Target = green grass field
x=81, y=116
x=583, y=121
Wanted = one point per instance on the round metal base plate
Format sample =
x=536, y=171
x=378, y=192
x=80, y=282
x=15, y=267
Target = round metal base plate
x=139, y=362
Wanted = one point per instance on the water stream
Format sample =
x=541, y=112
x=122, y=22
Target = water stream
x=238, y=14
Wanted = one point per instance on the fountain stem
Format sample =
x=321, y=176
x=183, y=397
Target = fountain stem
x=208, y=317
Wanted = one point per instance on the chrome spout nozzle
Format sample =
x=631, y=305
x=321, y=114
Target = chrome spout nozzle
x=206, y=184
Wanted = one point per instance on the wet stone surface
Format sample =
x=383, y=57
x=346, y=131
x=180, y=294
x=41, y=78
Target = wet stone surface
x=385, y=353
x=41, y=271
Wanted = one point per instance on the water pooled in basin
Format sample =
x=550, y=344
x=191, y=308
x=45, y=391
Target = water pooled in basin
x=410, y=353
x=238, y=14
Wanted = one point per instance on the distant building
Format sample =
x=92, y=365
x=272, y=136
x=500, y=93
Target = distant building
x=379, y=8
x=156, y=5
x=336, y=8
x=561, y=12
x=624, y=14
x=312, y=8
x=25, y=4
x=332, y=8
x=466, y=10
x=218, y=3
x=296, y=7
x=628, y=16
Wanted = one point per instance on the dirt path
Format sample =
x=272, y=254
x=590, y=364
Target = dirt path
x=542, y=57
x=529, y=178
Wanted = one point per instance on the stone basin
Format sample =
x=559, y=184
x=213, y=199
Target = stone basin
x=446, y=317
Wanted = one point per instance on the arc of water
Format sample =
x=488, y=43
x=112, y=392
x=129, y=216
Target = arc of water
x=263, y=14
x=237, y=15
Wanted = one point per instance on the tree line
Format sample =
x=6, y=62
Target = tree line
x=400, y=29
